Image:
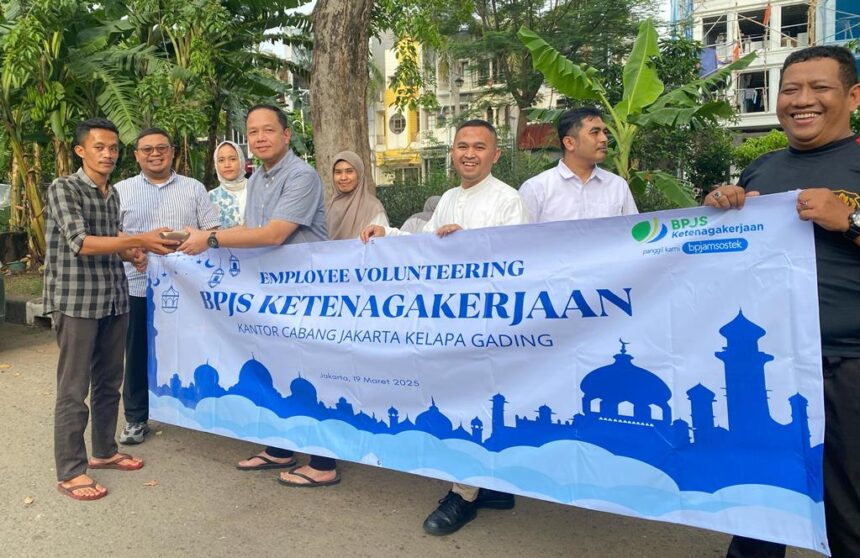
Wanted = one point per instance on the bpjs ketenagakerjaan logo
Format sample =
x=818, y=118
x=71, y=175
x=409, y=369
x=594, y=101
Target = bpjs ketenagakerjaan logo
x=653, y=230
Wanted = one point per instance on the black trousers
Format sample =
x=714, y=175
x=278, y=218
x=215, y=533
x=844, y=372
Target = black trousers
x=90, y=362
x=317, y=462
x=841, y=467
x=135, y=389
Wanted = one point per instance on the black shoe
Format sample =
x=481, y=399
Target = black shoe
x=453, y=512
x=494, y=499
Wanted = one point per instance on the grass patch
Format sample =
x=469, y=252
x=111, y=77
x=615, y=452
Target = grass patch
x=26, y=284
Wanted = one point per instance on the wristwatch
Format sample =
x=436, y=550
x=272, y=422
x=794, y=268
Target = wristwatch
x=853, y=226
x=213, y=240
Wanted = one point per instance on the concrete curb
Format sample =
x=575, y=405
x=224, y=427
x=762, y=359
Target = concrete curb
x=22, y=310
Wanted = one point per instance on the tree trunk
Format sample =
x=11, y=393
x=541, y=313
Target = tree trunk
x=62, y=156
x=37, y=164
x=16, y=199
x=339, y=79
x=211, y=141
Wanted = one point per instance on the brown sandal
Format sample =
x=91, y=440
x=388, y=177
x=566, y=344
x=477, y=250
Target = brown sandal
x=116, y=462
x=72, y=491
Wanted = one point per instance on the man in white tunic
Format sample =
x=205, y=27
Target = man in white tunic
x=481, y=200
x=577, y=188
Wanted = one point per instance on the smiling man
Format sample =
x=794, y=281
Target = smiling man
x=577, y=188
x=284, y=206
x=817, y=95
x=481, y=200
x=86, y=291
x=157, y=197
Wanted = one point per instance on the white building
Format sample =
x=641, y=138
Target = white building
x=772, y=29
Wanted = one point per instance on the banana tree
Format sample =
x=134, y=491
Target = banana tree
x=644, y=102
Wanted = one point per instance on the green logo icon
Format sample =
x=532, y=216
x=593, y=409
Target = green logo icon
x=646, y=232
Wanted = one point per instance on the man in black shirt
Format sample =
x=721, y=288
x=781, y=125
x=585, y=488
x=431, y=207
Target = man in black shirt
x=818, y=92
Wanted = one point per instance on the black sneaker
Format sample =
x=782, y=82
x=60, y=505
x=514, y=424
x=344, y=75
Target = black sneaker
x=453, y=512
x=494, y=499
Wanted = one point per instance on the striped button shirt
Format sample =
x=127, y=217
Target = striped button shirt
x=178, y=203
x=75, y=285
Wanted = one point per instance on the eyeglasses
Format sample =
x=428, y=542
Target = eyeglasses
x=148, y=149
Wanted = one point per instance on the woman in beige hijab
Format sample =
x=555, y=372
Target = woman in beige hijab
x=352, y=207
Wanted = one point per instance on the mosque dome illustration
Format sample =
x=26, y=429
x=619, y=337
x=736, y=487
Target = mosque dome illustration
x=433, y=421
x=206, y=378
x=253, y=373
x=613, y=389
x=302, y=389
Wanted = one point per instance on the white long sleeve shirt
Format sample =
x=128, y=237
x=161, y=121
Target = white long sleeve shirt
x=489, y=203
x=558, y=194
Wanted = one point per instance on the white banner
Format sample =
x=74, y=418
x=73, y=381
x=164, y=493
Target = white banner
x=664, y=366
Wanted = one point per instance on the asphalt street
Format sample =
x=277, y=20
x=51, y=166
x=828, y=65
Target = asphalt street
x=190, y=501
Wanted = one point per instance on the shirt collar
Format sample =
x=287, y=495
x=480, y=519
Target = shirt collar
x=565, y=172
x=89, y=181
x=279, y=166
x=482, y=185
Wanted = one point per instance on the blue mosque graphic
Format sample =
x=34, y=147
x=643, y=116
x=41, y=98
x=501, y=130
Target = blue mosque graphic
x=625, y=410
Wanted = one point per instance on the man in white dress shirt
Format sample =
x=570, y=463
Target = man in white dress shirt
x=577, y=188
x=481, y=200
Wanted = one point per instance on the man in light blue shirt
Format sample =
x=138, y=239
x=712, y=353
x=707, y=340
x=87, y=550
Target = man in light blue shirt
x=285, y=206
x=577, y=188
x=157, y=197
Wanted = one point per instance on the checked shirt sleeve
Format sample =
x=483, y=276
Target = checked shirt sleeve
x=64, y=206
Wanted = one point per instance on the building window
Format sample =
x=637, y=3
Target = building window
x=795, y=26
x=752, y=92
x=397, y=123
x=753, y=32
x=714, y=32
x=626, y=409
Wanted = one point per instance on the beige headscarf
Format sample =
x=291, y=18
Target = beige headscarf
x=237, y=184
x=347, y=214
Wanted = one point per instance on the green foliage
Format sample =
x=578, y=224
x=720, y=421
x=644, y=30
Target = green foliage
x=753, y=148
x=515, y=166
x=701, y=154
x=409, y=21
x=404, y=200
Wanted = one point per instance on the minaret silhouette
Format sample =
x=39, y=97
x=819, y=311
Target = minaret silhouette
x=392, y=417
x=800, y=416
x=701, y=411
x=498, y=412
x=746, y=391
x=477, y=430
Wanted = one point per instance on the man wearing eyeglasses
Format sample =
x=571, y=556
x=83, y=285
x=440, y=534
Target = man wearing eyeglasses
x=157, y=197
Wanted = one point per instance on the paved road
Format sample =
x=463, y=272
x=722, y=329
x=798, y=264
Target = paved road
x=202, y=506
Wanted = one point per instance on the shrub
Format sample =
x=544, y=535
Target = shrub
x=753, y=148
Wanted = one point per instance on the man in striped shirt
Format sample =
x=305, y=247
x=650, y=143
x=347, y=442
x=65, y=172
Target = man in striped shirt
x=157, y=197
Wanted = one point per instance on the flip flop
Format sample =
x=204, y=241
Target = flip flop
x=267, y=464
x=116, y=463
x=72, y=491
x=311, y=482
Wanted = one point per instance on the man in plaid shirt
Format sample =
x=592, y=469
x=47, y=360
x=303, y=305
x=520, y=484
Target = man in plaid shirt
x=86, y=289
